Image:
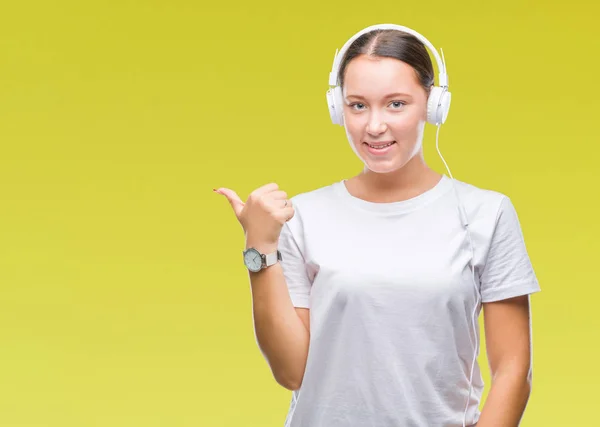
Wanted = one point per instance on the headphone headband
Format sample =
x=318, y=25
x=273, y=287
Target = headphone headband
x=442, y=75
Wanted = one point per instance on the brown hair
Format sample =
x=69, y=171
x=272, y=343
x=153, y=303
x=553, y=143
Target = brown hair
x=392, y=44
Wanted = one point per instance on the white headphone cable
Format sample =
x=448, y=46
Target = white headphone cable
x=463, y=215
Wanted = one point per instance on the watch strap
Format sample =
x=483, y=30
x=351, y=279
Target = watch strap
x=272, y=258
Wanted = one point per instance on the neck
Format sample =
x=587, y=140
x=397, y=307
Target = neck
x=409, y=181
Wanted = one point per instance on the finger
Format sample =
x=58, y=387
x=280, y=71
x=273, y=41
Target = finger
x=278, y=195
x=267, y=188
x=233, y=199
x=277, y=202
x=286, y=203
x=288, y=213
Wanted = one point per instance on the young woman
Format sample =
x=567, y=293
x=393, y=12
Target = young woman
x=366, y=292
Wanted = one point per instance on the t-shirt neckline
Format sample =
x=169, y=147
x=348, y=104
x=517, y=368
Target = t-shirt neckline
x=403, y=206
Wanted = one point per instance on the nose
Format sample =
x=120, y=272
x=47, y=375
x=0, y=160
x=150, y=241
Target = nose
x=376, y=125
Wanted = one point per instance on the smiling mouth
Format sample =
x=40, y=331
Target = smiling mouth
x=380, y=146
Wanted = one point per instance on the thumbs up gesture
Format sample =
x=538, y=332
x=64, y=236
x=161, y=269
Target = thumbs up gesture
x=263, y=215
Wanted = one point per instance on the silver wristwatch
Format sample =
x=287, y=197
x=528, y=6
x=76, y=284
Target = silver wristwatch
x=255, y=261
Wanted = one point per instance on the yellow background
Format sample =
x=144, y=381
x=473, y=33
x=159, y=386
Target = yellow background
x=123, y=297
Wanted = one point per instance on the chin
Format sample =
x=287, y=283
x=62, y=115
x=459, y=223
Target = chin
x=390, y=164
x=384, y=167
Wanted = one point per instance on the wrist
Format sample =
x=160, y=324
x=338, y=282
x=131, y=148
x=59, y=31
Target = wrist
x=261, y=245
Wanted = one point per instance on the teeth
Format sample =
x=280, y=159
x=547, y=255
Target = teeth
x=380, y=146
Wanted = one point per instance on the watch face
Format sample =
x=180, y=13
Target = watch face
x=253, y=260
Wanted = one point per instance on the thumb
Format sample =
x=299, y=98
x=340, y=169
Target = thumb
x=233, y=199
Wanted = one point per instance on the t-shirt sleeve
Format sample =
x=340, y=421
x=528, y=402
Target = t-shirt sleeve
x=294, y=267
x=508, y=271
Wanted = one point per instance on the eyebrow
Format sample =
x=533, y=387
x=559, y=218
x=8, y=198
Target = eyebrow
x=391, y=95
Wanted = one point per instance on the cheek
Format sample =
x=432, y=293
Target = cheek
x=403, y=127
x=354, y=130
x=407, y=124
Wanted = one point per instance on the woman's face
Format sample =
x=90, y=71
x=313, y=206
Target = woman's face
x=383, y=103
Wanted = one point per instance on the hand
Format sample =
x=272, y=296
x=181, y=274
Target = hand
x=263, y=215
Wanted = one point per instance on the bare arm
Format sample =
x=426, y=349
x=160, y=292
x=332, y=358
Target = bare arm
x=509, y=349
x=282, y=331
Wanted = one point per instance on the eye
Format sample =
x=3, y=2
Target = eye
x=398, y=105
x=355, y=104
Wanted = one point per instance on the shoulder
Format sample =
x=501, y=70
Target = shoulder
x=480, y=202
x=491, y=213
x=315, y=198
x=496, y=232
x=312, y=207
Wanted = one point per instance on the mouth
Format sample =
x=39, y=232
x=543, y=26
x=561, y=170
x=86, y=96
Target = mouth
x=379, y=147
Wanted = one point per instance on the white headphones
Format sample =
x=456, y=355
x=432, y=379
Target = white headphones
x=438, y=102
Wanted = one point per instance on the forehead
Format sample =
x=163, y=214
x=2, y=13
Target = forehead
x=373, y=75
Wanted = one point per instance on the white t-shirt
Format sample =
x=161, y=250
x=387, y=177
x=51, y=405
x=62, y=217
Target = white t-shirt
x=391, y=299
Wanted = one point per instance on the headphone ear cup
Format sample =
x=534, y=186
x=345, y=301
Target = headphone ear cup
x=432, y=104
x=438, y=105
x=331, y=106
x=338, y=100
x=444, y=108
x=335, y=104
